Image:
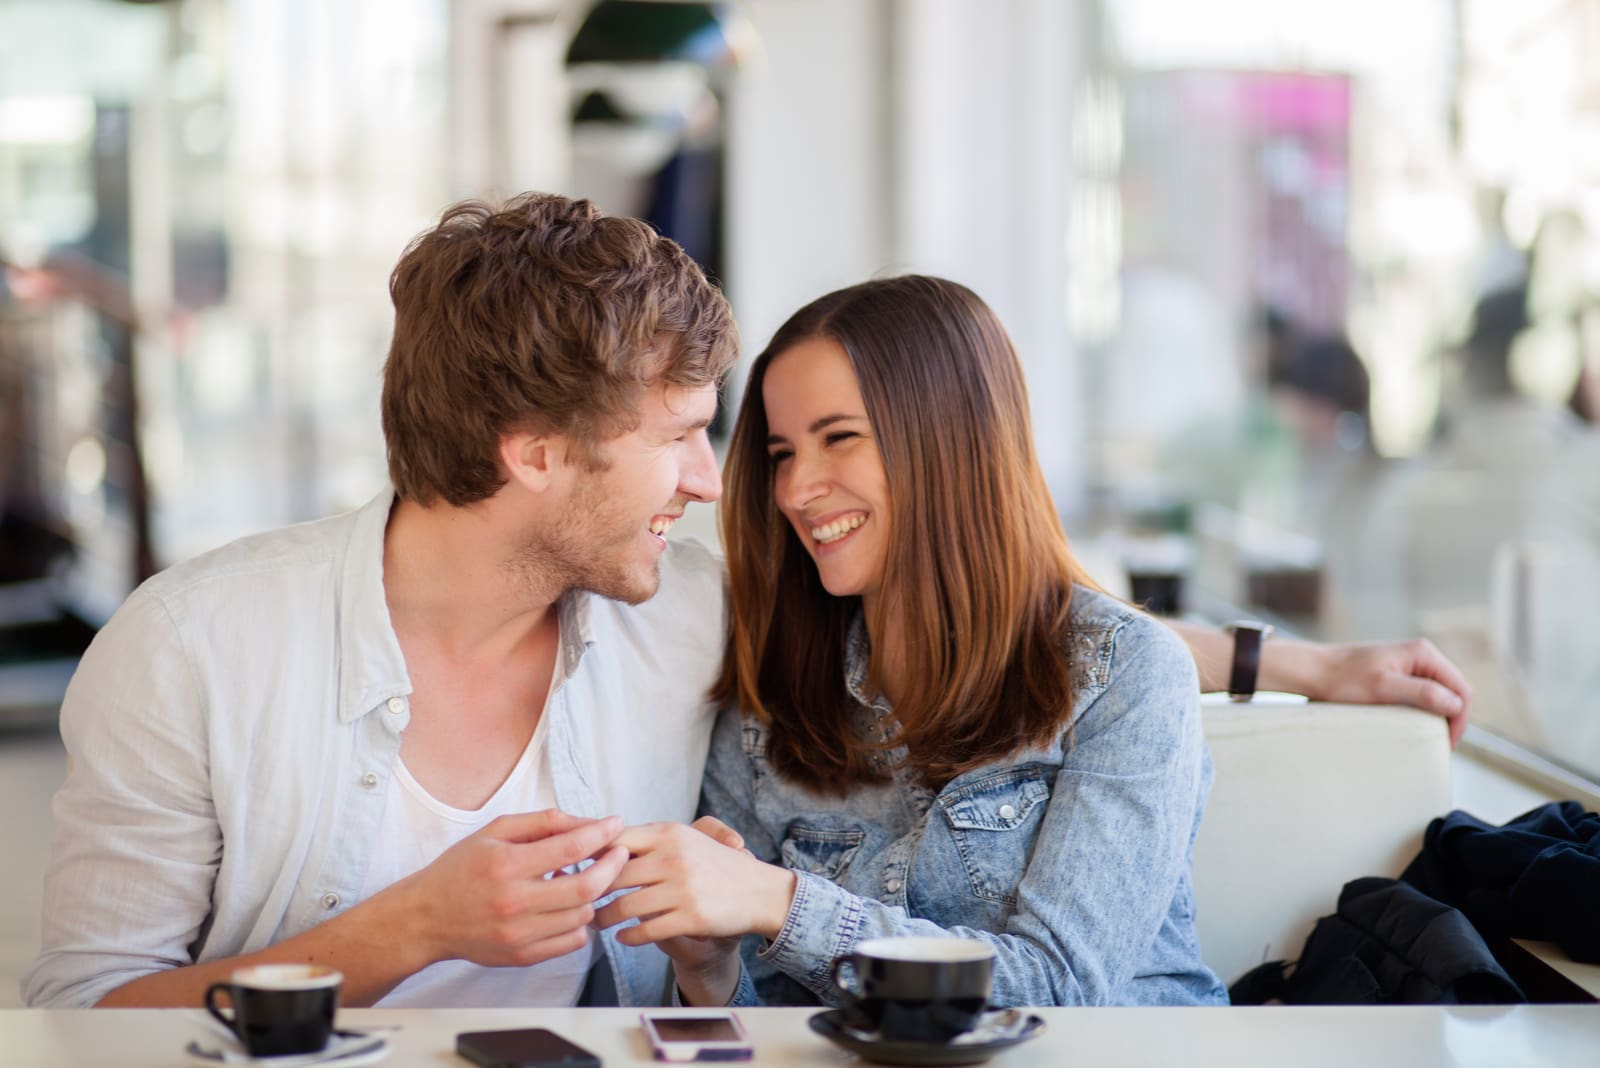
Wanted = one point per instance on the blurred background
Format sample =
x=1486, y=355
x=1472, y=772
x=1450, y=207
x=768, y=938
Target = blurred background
x=1308, y=293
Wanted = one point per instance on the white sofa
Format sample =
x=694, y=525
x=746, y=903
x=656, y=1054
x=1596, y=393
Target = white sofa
x=1306, y=798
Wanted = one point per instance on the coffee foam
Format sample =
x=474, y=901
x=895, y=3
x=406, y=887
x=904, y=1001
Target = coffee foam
x=949, y=950
x=286, y=977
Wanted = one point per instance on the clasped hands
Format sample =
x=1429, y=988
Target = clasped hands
x=695, y=892
x=522, y=890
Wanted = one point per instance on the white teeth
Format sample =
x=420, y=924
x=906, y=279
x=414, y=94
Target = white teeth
x=660, y=525
x=832, y=532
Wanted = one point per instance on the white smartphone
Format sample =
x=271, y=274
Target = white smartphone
x=703, y=1035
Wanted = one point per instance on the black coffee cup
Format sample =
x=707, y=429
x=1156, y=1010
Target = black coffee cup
x=918, y=989
x=279, y=1008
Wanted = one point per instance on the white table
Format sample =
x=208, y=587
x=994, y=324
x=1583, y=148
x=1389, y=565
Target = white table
x=1561, y=1036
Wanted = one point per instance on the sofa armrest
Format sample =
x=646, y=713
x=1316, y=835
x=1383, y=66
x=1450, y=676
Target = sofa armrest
x=1306, y=798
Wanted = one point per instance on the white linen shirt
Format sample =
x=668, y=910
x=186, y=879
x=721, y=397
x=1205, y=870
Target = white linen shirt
x=233, y=730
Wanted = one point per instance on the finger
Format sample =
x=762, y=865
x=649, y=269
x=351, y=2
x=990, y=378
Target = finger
x=574, y=890
x=644, y=837
x=1426, y=695
x=540, y=921
x=719, y=832
x=594, y=882
x=659, y=928
x=639, y=871
x=638, y=905
x=567, y=848
x=532, y=826
x=1429, y=662
x=557, y=945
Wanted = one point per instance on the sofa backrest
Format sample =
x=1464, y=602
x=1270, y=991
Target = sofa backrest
x=1306, y=798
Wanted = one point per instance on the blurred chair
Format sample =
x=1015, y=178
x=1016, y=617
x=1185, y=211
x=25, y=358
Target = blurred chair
x=1306, y=798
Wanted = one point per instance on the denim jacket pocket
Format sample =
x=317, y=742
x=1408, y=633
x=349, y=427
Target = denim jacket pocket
x=821, y=852
x=994, y=821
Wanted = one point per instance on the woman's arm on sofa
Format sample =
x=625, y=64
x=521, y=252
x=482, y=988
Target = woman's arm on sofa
x=1401, y=673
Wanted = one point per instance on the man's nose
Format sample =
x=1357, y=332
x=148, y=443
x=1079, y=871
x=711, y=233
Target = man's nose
x=702, y=481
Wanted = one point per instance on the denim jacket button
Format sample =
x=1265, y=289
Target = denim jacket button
x=1008, y=812
x=395, y=705
x=892, y=885
x=330, y=901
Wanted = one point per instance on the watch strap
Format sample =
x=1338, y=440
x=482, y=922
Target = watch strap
x=1248, y=637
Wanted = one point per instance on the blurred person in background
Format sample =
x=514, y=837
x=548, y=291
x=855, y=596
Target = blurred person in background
x=1322, y=394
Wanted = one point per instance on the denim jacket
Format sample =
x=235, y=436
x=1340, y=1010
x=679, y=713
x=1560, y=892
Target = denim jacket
x=1071, y=859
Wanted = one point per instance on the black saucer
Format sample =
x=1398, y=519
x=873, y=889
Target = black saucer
x=833, y=1025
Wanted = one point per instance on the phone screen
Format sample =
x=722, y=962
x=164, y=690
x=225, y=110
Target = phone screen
x=695, y=1029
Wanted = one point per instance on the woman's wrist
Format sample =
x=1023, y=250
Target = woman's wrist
x=1294, y=666
x=709, y=983
x=780, y=899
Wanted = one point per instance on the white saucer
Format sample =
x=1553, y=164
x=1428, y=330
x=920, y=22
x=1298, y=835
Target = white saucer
x=346, y=1049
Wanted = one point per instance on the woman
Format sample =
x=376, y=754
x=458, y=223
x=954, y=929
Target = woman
x=941, y=726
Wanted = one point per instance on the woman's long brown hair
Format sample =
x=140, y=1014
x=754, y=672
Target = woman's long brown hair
x=978, y=571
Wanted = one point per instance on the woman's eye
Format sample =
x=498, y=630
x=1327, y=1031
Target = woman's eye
x=779, y=456
x=838, y=436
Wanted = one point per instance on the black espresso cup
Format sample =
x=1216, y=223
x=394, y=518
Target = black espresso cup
x=917, y=989
x=279, y=1008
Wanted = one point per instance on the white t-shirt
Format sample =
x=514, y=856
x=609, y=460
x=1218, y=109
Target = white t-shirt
x=416, y=829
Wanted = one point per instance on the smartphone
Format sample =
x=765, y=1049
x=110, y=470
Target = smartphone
x=715, y=1035
x=533, y=1047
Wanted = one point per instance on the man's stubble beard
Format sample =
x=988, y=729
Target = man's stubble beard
x=570, y=555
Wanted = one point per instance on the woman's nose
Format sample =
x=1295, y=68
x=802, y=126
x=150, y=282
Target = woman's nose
x=803, y=483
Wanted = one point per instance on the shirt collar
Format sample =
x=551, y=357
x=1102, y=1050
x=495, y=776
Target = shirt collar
x=371, y=667
x=575, y=612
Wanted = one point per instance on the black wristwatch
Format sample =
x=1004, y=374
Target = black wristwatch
x=1248, y=637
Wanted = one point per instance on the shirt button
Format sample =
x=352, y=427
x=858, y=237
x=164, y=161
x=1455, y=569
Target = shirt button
x=369, y=780
x=893, y=885
x=1007, y=812
x=330, y=901
x=396, y=705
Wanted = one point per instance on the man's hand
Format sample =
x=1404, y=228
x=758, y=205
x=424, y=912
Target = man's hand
x=500, y=897
x=486, y=899
x=1402, y=673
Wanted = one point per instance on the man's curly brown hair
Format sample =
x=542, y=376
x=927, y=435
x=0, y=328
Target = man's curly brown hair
x=541, y=315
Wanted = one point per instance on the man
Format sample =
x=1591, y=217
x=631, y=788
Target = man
x=368, y=741
x=378, y=741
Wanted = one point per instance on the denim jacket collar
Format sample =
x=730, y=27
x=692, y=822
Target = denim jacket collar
x=858, y=664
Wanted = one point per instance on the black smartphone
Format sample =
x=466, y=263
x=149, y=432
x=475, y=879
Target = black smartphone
x=533, y=1047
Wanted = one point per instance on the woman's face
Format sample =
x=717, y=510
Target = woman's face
x=828, y=474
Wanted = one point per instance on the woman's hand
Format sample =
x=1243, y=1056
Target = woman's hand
x=1411, y=672
x=698, y=891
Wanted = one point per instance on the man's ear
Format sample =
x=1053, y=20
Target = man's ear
x=537, y=462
